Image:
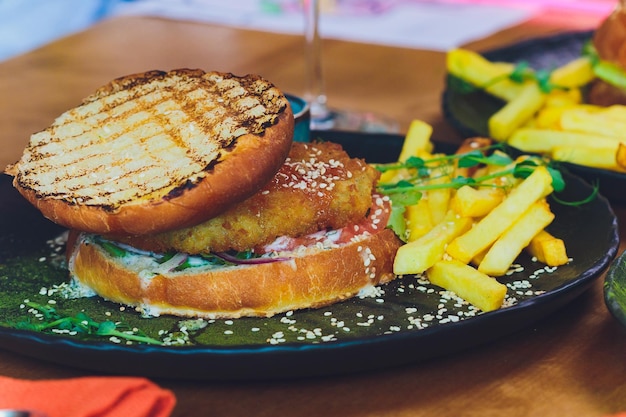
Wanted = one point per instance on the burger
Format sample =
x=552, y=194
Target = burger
x=185, y=194
x=608, y=48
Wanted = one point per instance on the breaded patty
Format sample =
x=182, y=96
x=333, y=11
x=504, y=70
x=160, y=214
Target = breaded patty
x=318, y=187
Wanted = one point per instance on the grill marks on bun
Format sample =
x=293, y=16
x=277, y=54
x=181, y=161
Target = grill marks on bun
x=145, y=137
x=157, y=151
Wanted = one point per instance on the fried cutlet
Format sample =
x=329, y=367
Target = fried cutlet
x=318, y=187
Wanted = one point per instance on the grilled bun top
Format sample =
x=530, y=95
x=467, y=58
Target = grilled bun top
x=157, y=151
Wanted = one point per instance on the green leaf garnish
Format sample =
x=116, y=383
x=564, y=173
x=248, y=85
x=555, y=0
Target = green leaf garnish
x=412, y=162
x=112, y=249
x=524, y=168
x=460, y=181
x=476, y=157
x=611, y=73
x=522, y=72
x=607, y=71
x=105, y=328
x=589, y=198
x=79, y=323
x=558, y=183
x=399, y=203
x=408, y=191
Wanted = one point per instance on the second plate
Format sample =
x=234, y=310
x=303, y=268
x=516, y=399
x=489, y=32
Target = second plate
x=469, y=113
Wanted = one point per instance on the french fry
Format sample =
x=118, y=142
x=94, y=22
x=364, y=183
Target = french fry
x=604, y=157
x=548, y=249
x=549, y=117
x=544, y=140
x=416, y=143
x=564, y=98
x=484, y=225
x=620, y=156
x=478, y=258
x=575, y=73
x=512, y=242
x=516, y=112
x=531, y=116
x=476, y=202
x=439, y=201
x=417, y=256
x=498, y=180
x=394, y=175
x=477, y=288
x=616, y=111
x=418, y=220
x=598, y=123
x=417, y=140
x=536, y=186
x=475, y=69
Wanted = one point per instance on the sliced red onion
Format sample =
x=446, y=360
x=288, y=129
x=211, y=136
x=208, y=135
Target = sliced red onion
x=252, y=261
x=174, y=262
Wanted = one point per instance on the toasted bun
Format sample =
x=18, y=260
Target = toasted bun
x=609, y=38
x=609, y=41
x=313, y=278
x=157, y=151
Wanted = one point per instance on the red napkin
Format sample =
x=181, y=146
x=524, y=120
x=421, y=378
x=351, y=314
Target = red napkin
x=88, y=397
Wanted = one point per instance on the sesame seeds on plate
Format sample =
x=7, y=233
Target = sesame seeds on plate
x=407, y=304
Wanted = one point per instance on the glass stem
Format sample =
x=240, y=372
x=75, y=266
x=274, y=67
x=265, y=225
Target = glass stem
x=316, y=95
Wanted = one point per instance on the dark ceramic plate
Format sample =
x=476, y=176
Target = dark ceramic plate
x=469, y=113
x=405, y=324
x=615, y=289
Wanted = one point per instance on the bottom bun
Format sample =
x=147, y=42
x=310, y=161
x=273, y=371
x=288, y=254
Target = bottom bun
x=309, y=277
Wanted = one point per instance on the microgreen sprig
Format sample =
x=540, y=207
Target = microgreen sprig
x=522, y=72
x=481, y=156
x=409, y=189
x=80, y=323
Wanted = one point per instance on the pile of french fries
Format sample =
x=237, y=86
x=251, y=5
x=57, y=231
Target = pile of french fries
x=461, y=238
x=556, y=123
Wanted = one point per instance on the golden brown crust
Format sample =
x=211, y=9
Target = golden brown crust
x=313, y=280
x=609, y=41
x=244, y=165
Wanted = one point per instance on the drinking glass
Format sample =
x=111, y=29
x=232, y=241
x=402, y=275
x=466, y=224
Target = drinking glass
x=324, y=117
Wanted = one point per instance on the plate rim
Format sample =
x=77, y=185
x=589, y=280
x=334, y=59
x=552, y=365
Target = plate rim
x=616, y=269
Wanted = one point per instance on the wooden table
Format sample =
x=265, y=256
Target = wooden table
x=572, y=363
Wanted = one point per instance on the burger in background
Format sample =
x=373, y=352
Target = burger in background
x=608, y=46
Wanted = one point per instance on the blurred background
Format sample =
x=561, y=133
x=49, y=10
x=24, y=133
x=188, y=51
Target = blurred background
x=435, y=24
